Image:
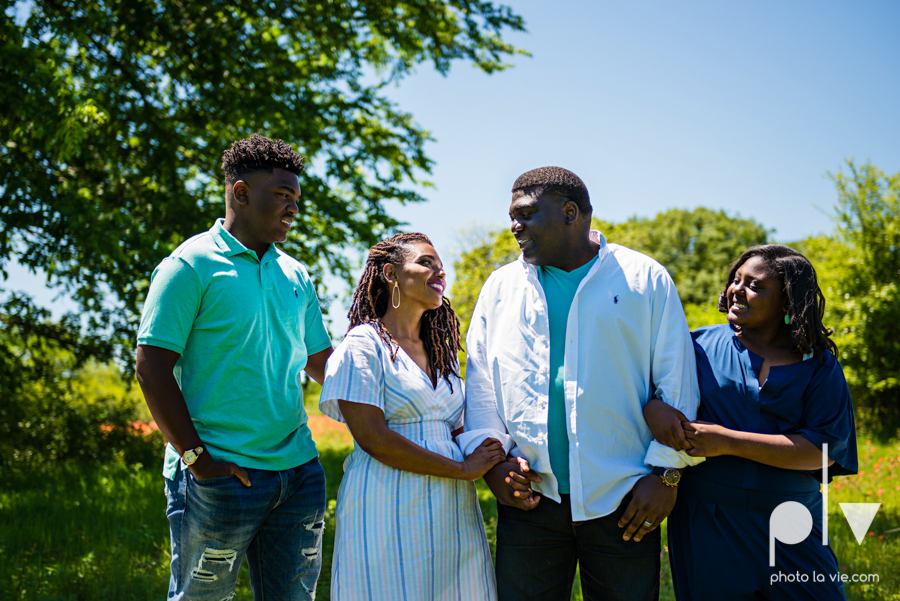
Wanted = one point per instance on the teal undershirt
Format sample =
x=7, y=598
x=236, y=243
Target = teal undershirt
x=559, y=289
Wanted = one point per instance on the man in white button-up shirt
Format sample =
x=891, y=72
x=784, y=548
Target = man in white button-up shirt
x=624, y=341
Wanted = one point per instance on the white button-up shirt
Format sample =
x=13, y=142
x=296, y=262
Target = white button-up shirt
x=626, y=341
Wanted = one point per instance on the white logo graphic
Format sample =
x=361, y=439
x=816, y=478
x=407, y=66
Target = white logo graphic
x=792, y=522
x=860, y=516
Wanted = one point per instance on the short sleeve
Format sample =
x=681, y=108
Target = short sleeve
x=316, y=336
x=354, y=372
x=172, y=305
x=828, y=418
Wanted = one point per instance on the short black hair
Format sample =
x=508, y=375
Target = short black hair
x=806, y=303
x=259, y=153
x=555, y=180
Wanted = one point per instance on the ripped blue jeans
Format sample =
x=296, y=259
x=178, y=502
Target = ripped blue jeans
x=277, y=524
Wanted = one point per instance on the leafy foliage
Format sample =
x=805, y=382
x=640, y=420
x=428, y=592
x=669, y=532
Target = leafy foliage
x=696, y=247
x=115, y=116
x=859, y=271
x=488, y=251
x=53, y=408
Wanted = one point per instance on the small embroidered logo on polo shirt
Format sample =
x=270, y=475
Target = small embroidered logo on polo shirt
x=616, y=299
x=295, y=293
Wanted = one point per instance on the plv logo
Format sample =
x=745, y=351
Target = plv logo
x=791, y=522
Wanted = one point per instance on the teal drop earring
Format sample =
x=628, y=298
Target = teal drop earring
x=787, y=319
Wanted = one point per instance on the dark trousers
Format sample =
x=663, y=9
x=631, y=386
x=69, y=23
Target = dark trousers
x=538, y=550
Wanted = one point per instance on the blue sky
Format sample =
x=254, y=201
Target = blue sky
x=740, y=106
x=657, y=104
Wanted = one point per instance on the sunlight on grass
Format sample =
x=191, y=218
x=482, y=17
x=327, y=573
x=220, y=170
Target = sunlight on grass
x=100, y=533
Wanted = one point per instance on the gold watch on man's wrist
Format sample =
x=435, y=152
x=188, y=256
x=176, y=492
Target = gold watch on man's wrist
x=191, y=455
x=669, y=475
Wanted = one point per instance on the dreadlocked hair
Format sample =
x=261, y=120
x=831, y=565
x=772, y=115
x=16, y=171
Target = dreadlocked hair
x=806, y=303
x=259, y=153
x=440, y=327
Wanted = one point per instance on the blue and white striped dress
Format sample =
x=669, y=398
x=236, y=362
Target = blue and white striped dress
x=400, y=535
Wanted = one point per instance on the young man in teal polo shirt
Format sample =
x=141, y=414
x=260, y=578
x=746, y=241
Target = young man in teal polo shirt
x=229, y=323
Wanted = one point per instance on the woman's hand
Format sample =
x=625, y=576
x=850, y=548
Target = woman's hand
x=665, y=424
x=787, y=451
x=488, y=454
x=707, y=439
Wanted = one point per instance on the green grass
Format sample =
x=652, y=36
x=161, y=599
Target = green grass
x=878, y=481
x=83, y=532
x=99, y=532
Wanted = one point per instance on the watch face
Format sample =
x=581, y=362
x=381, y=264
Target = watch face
x=671, y=477
x=189, y=457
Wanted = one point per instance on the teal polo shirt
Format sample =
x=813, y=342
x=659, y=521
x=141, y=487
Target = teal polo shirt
x=559, y=288
x=244, y=328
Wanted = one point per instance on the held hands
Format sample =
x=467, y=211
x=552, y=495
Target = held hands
x=665, y=424
x=651, y=502
x=670, y=427
x=488, y=454
x=207, y=467
x=510, y=482
x=520, y=481
x=707, y=439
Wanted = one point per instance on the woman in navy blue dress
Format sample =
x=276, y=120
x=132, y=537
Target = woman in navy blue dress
x=772, y=395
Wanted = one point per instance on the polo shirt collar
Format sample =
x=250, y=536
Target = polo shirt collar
x=231, y=246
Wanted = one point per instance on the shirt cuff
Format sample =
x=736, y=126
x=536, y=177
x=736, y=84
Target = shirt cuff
x=659, y=455
x=469, y=441
x=163, y=344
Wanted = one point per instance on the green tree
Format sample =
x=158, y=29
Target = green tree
x=487, y=251
x=53, y=405
x=859, y=272
x=695, y=246
x=114, y=116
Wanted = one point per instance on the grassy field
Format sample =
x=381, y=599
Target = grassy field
x=100, y=533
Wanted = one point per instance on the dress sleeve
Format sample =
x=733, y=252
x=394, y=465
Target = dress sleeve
x=828, y=418
x=355, y=373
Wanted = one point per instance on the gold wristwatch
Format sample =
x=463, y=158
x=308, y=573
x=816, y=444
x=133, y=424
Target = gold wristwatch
x=191, y=455
x=669, y=475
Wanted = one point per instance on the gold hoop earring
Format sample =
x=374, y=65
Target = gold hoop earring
x=396, y=289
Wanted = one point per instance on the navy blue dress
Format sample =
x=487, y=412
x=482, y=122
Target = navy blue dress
x=719, y=528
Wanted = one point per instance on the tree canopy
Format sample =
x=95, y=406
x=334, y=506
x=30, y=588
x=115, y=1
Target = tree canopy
x=859, y=272
x=696, y=247
x=114, y=117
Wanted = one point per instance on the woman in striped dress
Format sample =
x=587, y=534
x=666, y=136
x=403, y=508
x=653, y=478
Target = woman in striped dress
x=408, y=521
